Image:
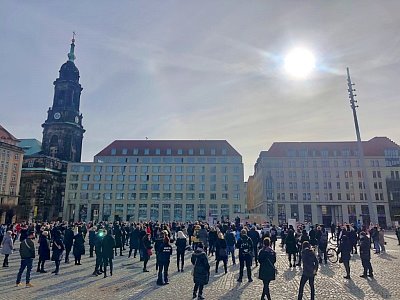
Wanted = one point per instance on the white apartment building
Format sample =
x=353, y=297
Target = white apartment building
x=322, y=182
x=164, y=180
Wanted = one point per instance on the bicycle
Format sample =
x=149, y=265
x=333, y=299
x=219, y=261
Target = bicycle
x=333, y=240
x=332, y=255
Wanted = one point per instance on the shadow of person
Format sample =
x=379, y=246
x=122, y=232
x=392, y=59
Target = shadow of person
x=326, y=270
x=289, y=274
x=354, y=289
x=378, y=289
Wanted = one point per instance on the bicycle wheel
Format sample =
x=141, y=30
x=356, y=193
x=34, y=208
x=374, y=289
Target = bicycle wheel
x=332, y=255
x=333, y=241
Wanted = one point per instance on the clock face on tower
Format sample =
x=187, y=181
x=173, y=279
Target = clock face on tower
x=76, y=120
x=57, y=115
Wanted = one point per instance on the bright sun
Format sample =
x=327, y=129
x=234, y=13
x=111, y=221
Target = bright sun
x=299, y=62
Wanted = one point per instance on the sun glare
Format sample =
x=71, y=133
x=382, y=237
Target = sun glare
x=299, y=62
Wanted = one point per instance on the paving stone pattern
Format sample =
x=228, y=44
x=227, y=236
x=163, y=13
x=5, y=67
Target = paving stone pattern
x=129, y=282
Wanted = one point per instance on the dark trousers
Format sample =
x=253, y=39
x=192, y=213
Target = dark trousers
x=134, y=252
x=294, y=258
x=180, y=257
x=99, y=263
x=40, y=266
x=5, y=261
x=242, y=262
x=25, y=263
x=255, y=254
x=198, y=287
x=225, y=261
x=107, y=261
x=303, y=282
x=346, y=264
x=145, y=261
x=67, y=251
x=265, y=291
x=120, y=251
x=57, y=262
x=366, y=263
x=162, y=266
x=91, y=248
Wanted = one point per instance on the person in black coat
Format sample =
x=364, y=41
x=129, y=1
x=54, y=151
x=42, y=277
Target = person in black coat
x=245, y=246
x=108, y=245
x=212, y=239
x=78, y=247
x=43, y=251
x=92, y=238
x=365, y=255
x=58, y=249
x=267, y=273
x=134, y=241
x=304, y=237
x=291, y=247
x=345, y=250
x=310, y=268
x=164, y=258
x=255, y=237
x=118, y=239
x=201, y=271
x=145, y=251
x=221, y=252
x=98, y=250
x=180, y=243
x=68, y=242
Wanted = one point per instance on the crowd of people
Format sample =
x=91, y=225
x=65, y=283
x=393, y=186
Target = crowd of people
x=306, y=247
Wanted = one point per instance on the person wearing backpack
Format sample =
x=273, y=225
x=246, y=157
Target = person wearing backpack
x=267, y=272
x=230, y=244
x=245, y=246
x=27, y=253
x=310, y=268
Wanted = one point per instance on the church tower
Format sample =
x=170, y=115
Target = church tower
x=63, y=130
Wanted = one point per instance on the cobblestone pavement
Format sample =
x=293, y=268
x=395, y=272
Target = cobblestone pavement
x=129, y=282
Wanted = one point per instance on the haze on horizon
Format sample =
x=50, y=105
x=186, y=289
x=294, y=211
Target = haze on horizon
x=204, y=70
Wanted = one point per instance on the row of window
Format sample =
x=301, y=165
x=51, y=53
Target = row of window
x=152, y=196
x=326, y=185
x=157, y=151
x=151, y=187
x=154, y=169
x=154, y=178
x=326, y=196
x=325, y=174
x=317, y=163
x=167, y=160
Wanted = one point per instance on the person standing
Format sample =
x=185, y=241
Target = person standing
x=291, y=247
x=212, y=239
x=375, y=239
x=322, y=245
x=245, y=246
x=79, y=246
x=267, y=272
x=398, y=234
x=44, y=251
x=27, y=253
x=274, y=236
x=304, y=237
x=7, y=247
x=230, y=243
x=345, y=251
x=201, y=271
x=58, y=249
x=118, y=239
x=381, y=239
x=180, y=250
x=68, y=242
x=164, y=258
x=365, y=255
x=221, y=252
x=134, y=240
x=92, y=238
x=255, y=238
x=146, y=250
x=310, y=268
x=98, y=250
x=108, y=246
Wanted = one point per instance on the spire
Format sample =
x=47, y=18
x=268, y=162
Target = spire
x=71, y=55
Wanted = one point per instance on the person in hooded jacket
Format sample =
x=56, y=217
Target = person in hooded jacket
x=345, y=251
x=108, y=246
x=7, y=247
x=310, y=268
x=79, y=246
x=57, y=249
x=43, y=251
x=180, y=250
x=267, y=272
x=245, y=246
x=201, y=271
x=365, y=255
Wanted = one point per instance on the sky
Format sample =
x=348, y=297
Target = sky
x=204, y=69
